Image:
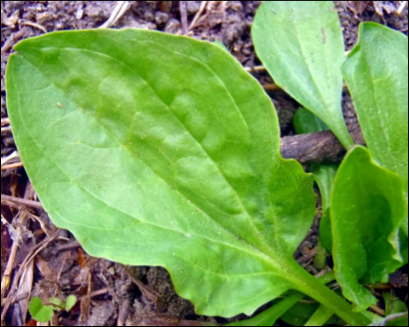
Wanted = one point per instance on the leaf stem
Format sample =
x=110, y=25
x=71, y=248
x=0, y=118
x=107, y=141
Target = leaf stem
x=311, y=286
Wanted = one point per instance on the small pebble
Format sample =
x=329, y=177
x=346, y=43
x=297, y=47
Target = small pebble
x=173, y=26
x=161, y=18
x=192, y=7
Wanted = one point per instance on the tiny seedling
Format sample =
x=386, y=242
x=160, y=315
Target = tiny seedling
x=43, y=312
x=162, y=150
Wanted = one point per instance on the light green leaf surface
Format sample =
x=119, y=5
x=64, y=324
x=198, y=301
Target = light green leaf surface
x=367, y=209
x=70, y=302
x=301, y=45
x=376, y=72
x=39, y=311
x=161, y=150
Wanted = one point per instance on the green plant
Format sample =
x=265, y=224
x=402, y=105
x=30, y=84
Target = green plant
x=156, y=149
x=43, y=312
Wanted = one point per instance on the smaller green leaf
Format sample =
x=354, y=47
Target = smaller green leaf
x=325, y=176
x=376, y=72
x=306, y=122
x=70, y=302
x=367, y=209
x=300, y=44
x=39, y=311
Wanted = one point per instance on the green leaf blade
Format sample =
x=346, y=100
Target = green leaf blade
x=301, y=45
x=39, y=311
x=152, y=153
x=376, y=72
x=70, y=302
x=367, y=209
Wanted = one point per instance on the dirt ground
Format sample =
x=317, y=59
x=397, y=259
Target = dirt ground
x=112, y=294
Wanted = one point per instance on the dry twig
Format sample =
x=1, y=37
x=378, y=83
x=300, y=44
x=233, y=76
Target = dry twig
x=198, y=14
x=183, y=16
x=19, y=201
x=402, y=6
x=317, y=147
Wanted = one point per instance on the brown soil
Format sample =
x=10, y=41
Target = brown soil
x=110, y=293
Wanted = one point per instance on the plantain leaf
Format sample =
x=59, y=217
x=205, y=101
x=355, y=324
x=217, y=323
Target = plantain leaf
x=376, y=72
x=155, y=149
x=301, y=45
x=367, y=210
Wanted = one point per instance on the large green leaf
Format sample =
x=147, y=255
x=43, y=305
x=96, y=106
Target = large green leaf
x=300, y=43
x=367, y=209
x=376, y=72
x=161, y=150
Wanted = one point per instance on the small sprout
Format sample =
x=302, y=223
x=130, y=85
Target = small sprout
x=39, y=311
x=70, y=302
x=43, y=312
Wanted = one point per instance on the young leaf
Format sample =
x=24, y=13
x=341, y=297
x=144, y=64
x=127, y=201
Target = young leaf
x=324, y=174
x=39, y=311
x=70, y=302
x=164, y=151
x=367, y=209
x=376, y=72
x=300, y=44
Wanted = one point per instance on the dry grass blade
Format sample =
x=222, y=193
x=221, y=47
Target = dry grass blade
x=119, y=10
